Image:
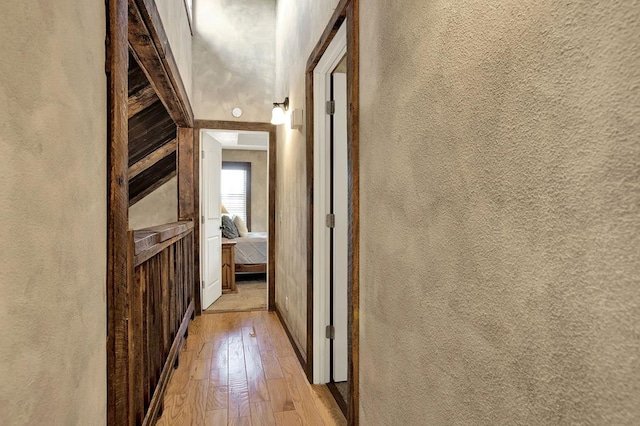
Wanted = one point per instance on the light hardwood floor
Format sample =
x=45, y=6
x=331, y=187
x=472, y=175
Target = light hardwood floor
x=240, y=369
x=251, y=296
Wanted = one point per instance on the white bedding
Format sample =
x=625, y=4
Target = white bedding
x=251, y=249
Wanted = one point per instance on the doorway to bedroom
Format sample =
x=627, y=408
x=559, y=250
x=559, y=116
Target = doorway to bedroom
x=240, y=182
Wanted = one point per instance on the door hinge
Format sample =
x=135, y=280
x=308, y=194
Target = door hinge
x=331, y=107
x=202, y=284
x=331, y=220
x=202, y=219
x=202, y=152
x=331, y=332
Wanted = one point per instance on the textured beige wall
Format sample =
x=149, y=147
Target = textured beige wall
x=53, y=213
x=173, y=14
x=299, y=27
x=234, y=59
x=157, y=208
x=259, y=184
x=500, y=182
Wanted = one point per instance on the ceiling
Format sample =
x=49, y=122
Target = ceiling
x=232, y=139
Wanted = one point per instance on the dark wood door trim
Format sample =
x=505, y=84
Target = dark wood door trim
x=272, y=238
x=119, y=259
x=188, y=166
x=347, y=10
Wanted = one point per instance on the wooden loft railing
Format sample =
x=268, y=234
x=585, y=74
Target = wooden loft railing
x=152, y=274
x=161, y=304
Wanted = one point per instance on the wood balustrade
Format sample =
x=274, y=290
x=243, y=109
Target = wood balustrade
x=161, y=304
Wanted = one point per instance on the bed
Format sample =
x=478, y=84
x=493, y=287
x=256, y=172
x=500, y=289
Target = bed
x=251, y=253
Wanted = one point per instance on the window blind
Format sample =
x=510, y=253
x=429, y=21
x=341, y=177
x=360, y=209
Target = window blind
x=234, y=192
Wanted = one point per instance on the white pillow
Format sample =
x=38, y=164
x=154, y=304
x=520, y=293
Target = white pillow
x=242, y=227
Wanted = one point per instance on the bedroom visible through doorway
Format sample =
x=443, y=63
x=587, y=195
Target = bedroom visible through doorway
x=244, y=220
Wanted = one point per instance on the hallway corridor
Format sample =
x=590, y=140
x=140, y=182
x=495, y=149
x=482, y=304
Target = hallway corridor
x=240, y=369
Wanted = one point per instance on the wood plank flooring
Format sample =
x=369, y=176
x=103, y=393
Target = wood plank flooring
x=251, y=296
x=240, y=369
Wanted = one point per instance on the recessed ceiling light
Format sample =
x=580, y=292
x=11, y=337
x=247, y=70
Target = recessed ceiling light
x=237, y=112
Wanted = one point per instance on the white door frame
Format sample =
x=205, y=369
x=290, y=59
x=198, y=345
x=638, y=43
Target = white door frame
x=321, y=205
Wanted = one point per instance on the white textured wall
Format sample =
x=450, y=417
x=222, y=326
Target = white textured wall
x=53, y=205
x=158, y=208
x=500, y=183
x=299, y=27
x=259, y=184
x=234, y=59
x=173, y=14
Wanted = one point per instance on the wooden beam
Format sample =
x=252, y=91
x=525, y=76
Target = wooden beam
x=186, y=202
x=146, y=238
x=353, y=156
x=152, y=188
x=150, y=46
x=147, y=254
x=233, y=125
x=140, y=100
x=187, y=210
x=153, y=158
x=196, y=232
x=271, y=260
x=161, y=39
x=119, y=259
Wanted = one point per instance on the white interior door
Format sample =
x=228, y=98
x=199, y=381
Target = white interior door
x=211, y=244
x=340, y=262
x=329, y=355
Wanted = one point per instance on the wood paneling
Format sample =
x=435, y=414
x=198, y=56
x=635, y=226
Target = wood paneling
x=347, y=10
x=118, y=258
x=137, y=78
x=152, y=137
x=160, y=307
x=141, y=100
x=152, y=178
x=149, y=307
x=149, y=130
x=150, y=45
x=152, y=158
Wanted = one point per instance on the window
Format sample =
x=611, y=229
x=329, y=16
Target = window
x=235, y=188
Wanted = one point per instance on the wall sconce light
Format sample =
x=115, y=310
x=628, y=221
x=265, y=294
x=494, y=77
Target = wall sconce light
x=277, y=115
